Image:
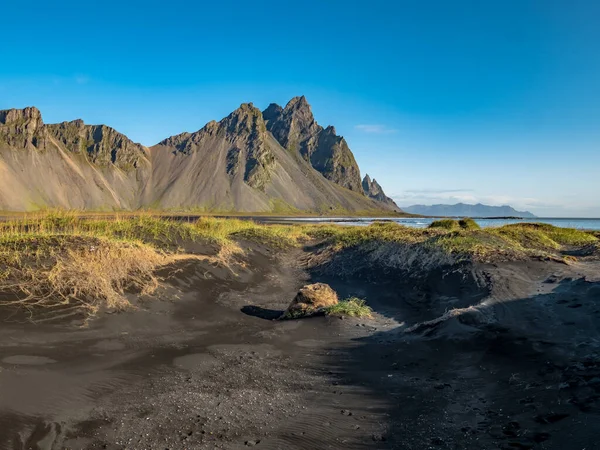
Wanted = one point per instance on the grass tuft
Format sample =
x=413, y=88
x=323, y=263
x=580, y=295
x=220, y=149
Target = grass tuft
x=450, y=224
x=468, y=224
x=352, y=307
x=446, y=224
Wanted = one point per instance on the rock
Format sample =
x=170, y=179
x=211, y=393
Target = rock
x=373, y=190
x=23, y=128
x=310, y=300
x=378, y=437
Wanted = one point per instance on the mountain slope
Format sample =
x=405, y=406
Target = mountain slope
x=237, y=164
x=465, y=210
x=234, y=165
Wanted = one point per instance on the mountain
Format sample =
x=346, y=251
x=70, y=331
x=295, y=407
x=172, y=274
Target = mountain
x=279, y=160
x=296, y=130
x=67, y=165
x=373, y=190
x=464, y=210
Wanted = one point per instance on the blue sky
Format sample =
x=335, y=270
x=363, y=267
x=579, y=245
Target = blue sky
x=441, y=101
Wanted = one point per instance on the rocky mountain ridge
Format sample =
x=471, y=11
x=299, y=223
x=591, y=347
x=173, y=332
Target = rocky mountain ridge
x=279, y=160
x=374, y=190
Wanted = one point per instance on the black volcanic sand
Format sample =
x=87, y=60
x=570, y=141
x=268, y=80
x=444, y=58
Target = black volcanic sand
x=204, y=366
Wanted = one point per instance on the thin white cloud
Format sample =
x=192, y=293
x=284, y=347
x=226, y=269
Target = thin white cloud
x=375, y=129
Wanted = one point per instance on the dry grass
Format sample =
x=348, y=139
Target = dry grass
x=50, y=260
x=91, y=272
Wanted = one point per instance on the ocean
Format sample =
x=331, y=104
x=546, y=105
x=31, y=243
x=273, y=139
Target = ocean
x=583, y=224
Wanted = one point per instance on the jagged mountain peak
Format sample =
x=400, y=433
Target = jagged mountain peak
x=371, y=186
x=246, y=118
x=295, y=128
x=296, y=103
x=374, y=190
x=331, y=130
x=299, y=110
x=24, y=128
x=242, y=122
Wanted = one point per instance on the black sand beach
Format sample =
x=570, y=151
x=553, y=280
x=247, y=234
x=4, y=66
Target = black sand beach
x=205, y=366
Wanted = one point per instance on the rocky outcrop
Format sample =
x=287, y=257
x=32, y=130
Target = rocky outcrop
x=310, y=300
x=22, y=128
x=295, y=129
x=102, y=145
x=374, y=190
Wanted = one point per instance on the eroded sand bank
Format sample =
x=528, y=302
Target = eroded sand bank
x=514, y=365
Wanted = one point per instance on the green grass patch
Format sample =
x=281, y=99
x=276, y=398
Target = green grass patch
x=468, y=224
x=352, y=307
x=163, y=233
x=543, y=236
x=507, y=242
x=446, y=224
x=451, y=224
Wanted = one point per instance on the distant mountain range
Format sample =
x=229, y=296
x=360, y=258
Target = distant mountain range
x=465, y=210
x=279, y=160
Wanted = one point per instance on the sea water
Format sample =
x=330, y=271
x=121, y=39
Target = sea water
x=583, y=224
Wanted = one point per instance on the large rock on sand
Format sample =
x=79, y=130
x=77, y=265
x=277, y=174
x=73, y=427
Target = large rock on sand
x=310, y=300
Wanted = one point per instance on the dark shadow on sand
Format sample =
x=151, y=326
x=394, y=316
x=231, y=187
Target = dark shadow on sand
x=263, y=313
x=525, y=381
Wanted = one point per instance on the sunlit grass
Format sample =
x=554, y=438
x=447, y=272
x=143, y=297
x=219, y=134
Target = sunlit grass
x=510, y=241
x=451, y=224
x=352, y=307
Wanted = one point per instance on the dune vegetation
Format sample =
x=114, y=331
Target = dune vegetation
x=93, y=261
x=465, y=241
x=352, y=307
